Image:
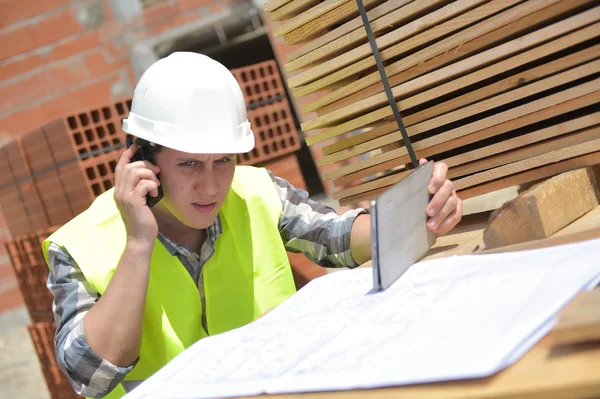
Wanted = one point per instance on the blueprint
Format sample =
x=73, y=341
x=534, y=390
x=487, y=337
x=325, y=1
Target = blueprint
x=444, y=319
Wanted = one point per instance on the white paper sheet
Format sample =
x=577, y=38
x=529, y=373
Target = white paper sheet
x=451, y=318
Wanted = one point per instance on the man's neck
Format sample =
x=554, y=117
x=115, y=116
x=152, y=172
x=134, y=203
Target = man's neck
x=179, y=233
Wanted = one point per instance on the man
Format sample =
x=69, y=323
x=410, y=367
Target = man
x=135, y=285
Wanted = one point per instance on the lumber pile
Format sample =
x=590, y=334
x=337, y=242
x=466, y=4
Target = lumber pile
x=504, y=91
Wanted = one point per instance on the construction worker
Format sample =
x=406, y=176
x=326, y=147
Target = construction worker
x=135, y=285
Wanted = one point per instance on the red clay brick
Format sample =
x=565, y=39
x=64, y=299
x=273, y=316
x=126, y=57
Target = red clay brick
x=57, y=26
x=36, y=150
x=12, y=11
x=59, y=52
x=74, y=73
x=75, y=45
x=159, y=12
x=275, y=133
x=42, y=335
x=186, y=5
x=88, y=96
x=17, y=41
x=50, y=5
x=12, y=206
x=24, y=120
x=218, y=6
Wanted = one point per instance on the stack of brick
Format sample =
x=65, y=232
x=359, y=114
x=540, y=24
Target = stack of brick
x=53, y=173
x=277, y=139
x=42, y=335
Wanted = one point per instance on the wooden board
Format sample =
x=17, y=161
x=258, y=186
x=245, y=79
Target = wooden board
x=360, y=60
x=484, y=128
x=518, y=26
x=532, y=175
x=339, y=118
x=291, y=9
x=579, y=321
x=395, y=17
x=341, y=31
x=428, y=117
x=534, y=162
x=524, y=152
x=502, y=90
x=272, y=5
x=480, y=60
x=306, y=17
x=545, y=208
x=320, y=26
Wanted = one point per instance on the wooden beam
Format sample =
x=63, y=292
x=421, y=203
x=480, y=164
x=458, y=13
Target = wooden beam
x=485, y=58
x=534, y=162
x=474, y=109
x=360, y=58
x=344, y=114
x=320, y=26
x=518, y=27
x=557, y=130
x=502, y=86
x=507, y=181
x=375, y=184
x=549, y=112
x=579, y=321
x=531, y=175
x=291, y=9
x=345, y=28
x=545, y=208
x=307, y=16
x=535, y=111
x=487, y=163
x=272, y=5
x=406, y=11
x=525, y=152
x=361, y=197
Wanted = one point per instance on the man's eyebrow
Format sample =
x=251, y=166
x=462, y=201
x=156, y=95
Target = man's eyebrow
x=187, y=160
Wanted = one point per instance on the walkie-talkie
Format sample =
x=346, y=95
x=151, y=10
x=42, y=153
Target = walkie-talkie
x=142, y=155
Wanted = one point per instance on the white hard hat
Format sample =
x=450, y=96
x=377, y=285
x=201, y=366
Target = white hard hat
x=191, y=103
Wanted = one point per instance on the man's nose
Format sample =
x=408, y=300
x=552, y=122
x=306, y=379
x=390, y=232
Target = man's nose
x=207, y=182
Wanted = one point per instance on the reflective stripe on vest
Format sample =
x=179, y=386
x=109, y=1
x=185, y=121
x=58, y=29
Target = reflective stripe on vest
x=248, y=274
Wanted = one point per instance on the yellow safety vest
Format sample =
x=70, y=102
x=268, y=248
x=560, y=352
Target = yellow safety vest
x=248, y=274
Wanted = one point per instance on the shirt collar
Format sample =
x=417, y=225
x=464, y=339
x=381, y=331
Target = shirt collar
x=213, y=231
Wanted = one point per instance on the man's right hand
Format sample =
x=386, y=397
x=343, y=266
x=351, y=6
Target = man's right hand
x=133, y=181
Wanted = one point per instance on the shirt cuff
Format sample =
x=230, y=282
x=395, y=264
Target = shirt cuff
x=96, y=376
x=349, y=218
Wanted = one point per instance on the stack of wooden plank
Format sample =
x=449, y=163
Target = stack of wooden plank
x=504, y=91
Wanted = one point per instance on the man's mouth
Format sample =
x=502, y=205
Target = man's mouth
x=204, y=207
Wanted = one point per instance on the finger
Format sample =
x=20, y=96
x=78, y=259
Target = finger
x=134, y=176
x=452, y=220
x=145, y=187
x=440, y=198
x=438, y=178
x=422, y=161
x=143, y=164
x=447, y=209
x=125, y=159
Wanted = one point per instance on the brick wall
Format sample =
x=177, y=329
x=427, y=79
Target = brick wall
x=57, y=56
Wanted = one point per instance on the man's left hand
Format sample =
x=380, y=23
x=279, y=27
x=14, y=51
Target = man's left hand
x=445, y=209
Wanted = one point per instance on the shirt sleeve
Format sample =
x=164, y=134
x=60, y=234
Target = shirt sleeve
x=315, y=229
x=89, y=374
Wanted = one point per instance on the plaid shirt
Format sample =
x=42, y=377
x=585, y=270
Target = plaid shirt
x=305, y=226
